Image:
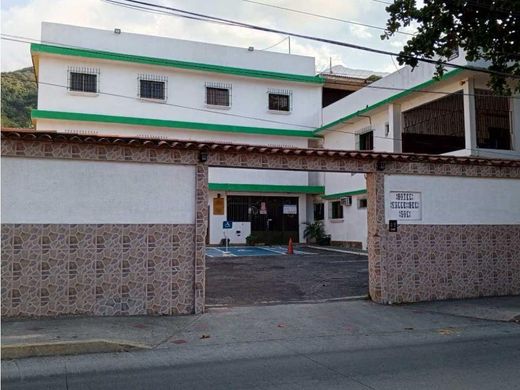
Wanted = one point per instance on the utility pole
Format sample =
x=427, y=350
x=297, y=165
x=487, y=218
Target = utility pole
x=289, y=44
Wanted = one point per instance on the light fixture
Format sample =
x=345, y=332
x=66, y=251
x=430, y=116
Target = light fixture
x=203, y=156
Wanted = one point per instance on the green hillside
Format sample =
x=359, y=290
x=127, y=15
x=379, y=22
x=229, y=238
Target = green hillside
x=19, y=95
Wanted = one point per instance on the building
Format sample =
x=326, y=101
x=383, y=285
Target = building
x=408, y=111
x=114, y=83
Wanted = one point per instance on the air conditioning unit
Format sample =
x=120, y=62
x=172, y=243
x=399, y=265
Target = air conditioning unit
x=346, y=201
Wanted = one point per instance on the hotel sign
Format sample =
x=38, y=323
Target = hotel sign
x=405, y=206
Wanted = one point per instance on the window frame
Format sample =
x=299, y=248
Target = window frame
x=360, y=200
x=83, y=71
x=340, y=209
x=156, y=79
x=280, y=92
x=211, y=85
x=363, y=134
x=320, y=205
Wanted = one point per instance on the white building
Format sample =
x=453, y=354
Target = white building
x=110, y=82
x=116, y=83
x=410, y=112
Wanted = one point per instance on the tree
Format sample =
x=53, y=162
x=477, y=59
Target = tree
x=486, y=30
x=19, y=96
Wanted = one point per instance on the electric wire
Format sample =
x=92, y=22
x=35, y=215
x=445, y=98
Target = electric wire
x=313, y=38
x=322, y=16
x=267, y=120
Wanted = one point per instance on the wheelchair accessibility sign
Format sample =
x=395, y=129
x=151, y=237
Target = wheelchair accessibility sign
x=227, y=225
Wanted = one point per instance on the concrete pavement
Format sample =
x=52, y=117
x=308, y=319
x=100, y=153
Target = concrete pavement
x=355, y=344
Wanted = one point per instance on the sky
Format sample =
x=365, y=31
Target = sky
x=23, y=18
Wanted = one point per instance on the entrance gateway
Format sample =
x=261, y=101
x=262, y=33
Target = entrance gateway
x=464, y=251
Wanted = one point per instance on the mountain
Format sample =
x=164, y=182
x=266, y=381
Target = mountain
x=19, y=96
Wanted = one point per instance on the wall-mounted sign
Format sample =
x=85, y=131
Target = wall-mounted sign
x=227, y=225
x=263, y=208
x=405, y=206
x=290, y=209
x=218, y=206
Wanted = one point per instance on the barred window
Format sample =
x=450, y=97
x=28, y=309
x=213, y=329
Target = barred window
x=319, y=211
x=218, y=94
x=279, y=102
x=152, y=87
x=83, y=80
x=279, y=99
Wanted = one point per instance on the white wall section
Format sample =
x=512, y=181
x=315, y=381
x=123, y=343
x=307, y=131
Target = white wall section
x=66, y=191
x=459, y=201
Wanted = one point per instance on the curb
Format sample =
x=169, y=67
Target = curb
x=338, y=250
x=20, y=351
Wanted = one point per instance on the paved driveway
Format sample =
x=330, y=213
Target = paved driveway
x=248, y=280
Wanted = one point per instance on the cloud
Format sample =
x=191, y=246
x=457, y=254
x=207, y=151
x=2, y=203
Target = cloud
x=25, y=20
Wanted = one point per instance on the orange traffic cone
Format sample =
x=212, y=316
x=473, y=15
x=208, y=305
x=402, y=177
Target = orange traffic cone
x=290, y=250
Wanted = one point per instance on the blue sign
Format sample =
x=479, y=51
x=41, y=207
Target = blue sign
x=227, y=225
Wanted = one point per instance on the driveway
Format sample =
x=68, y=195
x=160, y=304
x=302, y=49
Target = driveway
x=316, y=275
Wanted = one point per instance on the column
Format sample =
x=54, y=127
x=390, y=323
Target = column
x=395, y=126
x=470, y=119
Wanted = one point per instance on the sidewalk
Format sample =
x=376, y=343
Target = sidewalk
x=77, y=335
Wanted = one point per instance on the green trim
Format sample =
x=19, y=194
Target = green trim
x=388, y=100
x=105, y=55
x=77, y=116
x=343, y=194
x=266, y=188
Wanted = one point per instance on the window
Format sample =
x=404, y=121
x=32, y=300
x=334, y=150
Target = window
x=319, y=211
x=336, y=210
x=366, y=141
x=362, y=203
x=279, y=100
x=152, y=87
x=83, y=80
x=218, y=94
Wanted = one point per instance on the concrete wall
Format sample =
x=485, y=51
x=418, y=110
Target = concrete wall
x=86, y=192
x=169, y=48
x=459, y=201
x=101, y=231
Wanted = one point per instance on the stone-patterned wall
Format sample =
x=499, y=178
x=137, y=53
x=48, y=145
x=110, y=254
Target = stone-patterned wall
x=50, y=270
x=435, y=262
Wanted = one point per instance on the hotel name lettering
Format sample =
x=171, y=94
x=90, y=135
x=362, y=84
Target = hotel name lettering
x=405, y=206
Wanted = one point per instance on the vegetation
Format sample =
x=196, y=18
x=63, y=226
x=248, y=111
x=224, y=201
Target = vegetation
x=19, y=96
x=487, y=30
x=314, y=231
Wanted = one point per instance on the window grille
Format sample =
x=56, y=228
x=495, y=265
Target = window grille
x=279, y=100
x=152, y=87
x=218, y=94
x=81, y=79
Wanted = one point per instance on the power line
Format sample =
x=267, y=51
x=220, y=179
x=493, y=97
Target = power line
x=276, y=44
x=323, y=40
x=28, y=40
x=335, y=131
x=321, y=16
x=272, y=121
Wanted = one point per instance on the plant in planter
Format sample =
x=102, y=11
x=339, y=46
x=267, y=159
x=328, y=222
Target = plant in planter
x=314, y=232
x=251, y=240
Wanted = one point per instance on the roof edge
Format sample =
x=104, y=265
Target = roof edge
x=195, y=66
x=388, y=100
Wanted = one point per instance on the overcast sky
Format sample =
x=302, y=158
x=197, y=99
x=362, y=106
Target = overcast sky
x=23, y=18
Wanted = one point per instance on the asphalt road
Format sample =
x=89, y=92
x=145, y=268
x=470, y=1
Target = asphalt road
x=267, y=279
x=482, y=362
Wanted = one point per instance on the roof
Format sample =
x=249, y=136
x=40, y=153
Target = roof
x=342, y=71
x=33, y=135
